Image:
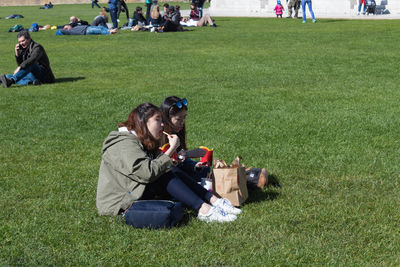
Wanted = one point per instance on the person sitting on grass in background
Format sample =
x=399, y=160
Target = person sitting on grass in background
x=279, y=9
x=86, y=30
x=33, y=63
x=100, y=20
x=164, y=14
x=195, y=19
x=47, y=6
x=172, y=21
x=174, y=110
x=156, y=19
x=138, y=18
x=178, y=10
x=133, y=168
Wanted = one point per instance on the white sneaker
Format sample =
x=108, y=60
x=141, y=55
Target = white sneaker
x=227, y=206
x=216, y=214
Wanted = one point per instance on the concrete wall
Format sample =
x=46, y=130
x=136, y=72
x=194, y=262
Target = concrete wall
x=323, y=8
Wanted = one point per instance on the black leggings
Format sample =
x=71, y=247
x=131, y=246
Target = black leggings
x=181, y=189
x=119, y=9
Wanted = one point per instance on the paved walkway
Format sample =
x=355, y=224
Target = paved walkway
x=185, y=13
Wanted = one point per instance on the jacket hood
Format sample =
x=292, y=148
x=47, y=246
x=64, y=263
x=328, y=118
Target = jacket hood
x=115, y=137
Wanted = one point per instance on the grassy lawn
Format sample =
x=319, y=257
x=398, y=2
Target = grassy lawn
x=316, y=104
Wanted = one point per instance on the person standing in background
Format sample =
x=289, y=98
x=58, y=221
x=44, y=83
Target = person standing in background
x=303, y=7
x=121, y=4
x=360, y=3
x=293, y=4
x=148, y=11
x=94, y=3
x=279, y=9
x=113, y=8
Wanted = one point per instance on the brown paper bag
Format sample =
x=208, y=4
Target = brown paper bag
x=230, y=183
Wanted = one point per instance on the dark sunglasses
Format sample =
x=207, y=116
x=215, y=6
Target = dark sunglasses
x=181, y=103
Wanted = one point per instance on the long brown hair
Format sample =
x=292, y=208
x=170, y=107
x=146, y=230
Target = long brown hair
x=137, y=121
x=169, y=109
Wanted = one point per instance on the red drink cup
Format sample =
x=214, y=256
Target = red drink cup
x=208, y=157
x=164, y=149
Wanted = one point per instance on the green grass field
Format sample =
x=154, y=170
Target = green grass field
x=316, y=104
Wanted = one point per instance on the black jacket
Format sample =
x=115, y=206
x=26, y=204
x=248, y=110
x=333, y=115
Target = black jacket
x=138, y=18
x=35, y=53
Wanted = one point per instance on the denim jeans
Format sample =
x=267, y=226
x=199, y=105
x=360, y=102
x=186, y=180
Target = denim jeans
x=188, y=167
x=94, y=2
x=183, y=190
x=114, y=17
x=359, y=7
x=27, y=75
x=92, y=30
x=303, y=7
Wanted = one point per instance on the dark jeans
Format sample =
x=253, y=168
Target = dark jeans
x=188, y=167
x=94, y=2
x=114, y=17
x=28, y=75
x=119, y=8
x=148, y=8
x=183, y=190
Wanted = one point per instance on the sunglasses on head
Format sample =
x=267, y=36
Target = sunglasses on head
x=181, y=103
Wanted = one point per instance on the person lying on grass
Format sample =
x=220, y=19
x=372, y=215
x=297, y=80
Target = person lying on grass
x=75, y=21
x=133, y=168
x=174, y=110
x=86, y=30
x=195, y=20
x=33, y=63
x=138, y=18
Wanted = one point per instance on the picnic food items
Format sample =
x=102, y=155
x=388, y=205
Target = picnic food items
x=230, y=181
x=164, y=149
x=208, y=157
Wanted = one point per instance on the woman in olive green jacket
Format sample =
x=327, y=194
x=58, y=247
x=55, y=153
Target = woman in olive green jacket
x=133, y=168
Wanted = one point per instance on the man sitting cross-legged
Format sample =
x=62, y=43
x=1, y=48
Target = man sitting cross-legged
x=33, y=63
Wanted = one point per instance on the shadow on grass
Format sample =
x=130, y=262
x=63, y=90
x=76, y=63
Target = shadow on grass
x=69, y=79
x=258, y=195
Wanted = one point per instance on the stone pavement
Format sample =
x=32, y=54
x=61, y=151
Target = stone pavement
x=185, y=13
x=353, y=15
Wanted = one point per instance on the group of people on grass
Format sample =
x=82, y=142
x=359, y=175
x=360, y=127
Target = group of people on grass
x=295, y=4
x=168, y=20
x=134, y=168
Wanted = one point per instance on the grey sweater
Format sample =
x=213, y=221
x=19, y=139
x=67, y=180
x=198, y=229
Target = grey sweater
x=77, y=30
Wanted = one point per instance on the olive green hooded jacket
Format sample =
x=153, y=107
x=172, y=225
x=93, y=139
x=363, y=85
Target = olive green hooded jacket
x=125, y=170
